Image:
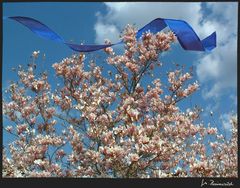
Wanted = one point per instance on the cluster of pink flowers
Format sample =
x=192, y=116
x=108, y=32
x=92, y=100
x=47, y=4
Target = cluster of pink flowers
x=97, y=126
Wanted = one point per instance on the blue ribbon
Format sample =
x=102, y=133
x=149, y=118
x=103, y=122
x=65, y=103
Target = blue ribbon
x=186, y=36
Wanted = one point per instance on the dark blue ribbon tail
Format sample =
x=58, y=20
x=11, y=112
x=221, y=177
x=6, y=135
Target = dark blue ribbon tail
x=209, y=42
x=186, y=36
x=38, y=28
x=87, y=48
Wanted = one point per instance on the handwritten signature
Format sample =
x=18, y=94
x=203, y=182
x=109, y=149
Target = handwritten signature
x=214, y=183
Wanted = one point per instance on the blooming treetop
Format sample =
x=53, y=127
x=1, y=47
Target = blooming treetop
x=122, y=128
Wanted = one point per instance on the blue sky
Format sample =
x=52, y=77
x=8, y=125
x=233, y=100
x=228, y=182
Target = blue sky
x=93, y=22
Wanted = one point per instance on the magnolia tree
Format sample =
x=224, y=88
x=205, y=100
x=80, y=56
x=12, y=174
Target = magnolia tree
x=112, y=126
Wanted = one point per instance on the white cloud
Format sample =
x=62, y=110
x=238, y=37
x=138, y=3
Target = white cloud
x=226, y=121
x=233, y=97
x=140, y=13
x=219, y=66
x=106, y=31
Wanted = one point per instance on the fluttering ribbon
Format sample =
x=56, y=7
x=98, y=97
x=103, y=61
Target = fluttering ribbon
x=186, y=36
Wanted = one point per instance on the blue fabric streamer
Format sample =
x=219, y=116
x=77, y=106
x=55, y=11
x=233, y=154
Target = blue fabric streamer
x=186, y=36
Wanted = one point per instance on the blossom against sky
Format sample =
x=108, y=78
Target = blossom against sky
x=93, y=22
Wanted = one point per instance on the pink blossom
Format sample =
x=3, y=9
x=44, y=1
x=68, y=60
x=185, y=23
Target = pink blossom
x=212, y=131
x=134, y=157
